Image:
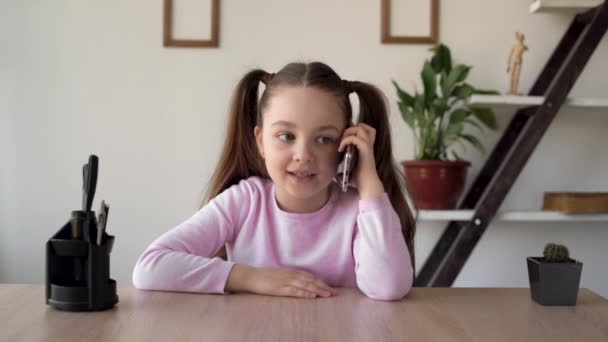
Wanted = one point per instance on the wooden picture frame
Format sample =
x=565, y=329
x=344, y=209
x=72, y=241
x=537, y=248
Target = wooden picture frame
x=168, y=39
x=385, y=25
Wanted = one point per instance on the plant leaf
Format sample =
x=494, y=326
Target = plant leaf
x=442, y=59
x=429, y=79
x=433, y=113
x=419, y=110
x=474, y=123
x=458, y=116
x=408, y=115
x=458, y=74
x=441, y=105
x=447, y=59
x=454, y=129
x=404, y=96
x=485, y=92
x=439, y=108
x=463, y=91
x=474, y=141
x=485, y=116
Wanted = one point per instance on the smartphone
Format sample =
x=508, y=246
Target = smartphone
x=350, y=158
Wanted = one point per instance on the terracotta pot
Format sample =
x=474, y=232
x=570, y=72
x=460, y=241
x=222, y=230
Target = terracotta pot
x=435, y=184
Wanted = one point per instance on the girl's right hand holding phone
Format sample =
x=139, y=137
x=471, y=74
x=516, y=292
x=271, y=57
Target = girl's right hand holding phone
x=277, y=282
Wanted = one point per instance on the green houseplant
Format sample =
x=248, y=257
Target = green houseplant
x=554, y=277
x=438, y=117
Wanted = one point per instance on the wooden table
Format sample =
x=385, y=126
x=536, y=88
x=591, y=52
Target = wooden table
x=427, y=314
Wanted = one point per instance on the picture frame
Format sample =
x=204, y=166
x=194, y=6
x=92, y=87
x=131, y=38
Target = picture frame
x=168, y=39
x=388, y=38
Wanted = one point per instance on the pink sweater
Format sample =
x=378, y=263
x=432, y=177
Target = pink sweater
x=347, y=243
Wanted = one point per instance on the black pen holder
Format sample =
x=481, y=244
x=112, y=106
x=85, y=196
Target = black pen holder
x=77, y=268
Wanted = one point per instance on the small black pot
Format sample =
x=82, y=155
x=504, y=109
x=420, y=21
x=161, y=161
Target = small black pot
x=554, y=283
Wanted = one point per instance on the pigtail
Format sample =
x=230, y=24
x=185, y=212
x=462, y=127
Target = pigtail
x=239, y=158
x=373, y=112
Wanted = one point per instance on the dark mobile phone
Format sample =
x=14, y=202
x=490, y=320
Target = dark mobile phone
x=350, y=158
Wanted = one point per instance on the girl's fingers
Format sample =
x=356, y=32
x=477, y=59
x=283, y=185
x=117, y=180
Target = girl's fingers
x=321, y=284
x=298, y=292
x=370, y=134
x=368, y=130
x=354, y=140
x=311, y=287
x=324, y=285
x=307, y=277
x=356, y=131
x=361, y=129
x=371, y=131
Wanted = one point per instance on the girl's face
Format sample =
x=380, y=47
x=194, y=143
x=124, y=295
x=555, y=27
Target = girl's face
x=302, y=128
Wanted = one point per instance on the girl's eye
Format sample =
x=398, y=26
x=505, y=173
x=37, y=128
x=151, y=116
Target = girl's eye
x=289, y=137
x=286, y=136
x=325, y=140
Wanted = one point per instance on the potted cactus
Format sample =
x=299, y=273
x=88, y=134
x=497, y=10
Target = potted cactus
x=554, y=277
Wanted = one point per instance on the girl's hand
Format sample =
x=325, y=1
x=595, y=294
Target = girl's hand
x=277, y=282
x=364, y=175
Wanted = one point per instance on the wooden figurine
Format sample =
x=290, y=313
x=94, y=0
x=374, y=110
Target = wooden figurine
x=514, y=63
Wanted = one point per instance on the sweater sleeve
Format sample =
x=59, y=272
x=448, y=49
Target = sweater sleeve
x=382, y=260
x=180, y=259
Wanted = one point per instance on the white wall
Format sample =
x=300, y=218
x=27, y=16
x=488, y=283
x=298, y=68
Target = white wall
x=9, y=66
x=84, y=77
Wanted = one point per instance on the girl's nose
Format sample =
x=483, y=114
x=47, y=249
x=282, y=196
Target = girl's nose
x=303, y=153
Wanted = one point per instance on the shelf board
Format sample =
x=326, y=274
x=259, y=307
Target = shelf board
x=543, y=215
x=516, y=102
x=542, y=6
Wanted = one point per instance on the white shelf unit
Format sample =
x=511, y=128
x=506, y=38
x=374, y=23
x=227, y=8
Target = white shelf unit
x=512, y=102
x=525, y=216
x=541, y=6
x=516, y=102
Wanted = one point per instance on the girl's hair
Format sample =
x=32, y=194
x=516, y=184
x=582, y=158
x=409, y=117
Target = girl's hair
x=240, y=159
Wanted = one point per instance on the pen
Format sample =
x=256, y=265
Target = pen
x=89, y=182
x=102, y=221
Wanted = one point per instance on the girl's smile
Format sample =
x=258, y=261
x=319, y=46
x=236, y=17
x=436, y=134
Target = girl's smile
x=301, y=177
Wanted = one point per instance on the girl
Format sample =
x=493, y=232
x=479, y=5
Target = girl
x=275, y=221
